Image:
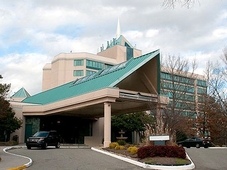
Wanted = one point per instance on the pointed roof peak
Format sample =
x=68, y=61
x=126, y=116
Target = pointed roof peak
x=118, y=34
x=22, y=93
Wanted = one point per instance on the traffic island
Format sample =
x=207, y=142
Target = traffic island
x=160, y=163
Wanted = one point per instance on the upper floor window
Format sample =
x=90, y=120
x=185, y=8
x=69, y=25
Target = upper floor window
x=201, y=90
x=78, y=73
x=79, y=62
x=94, y=64
x=166, y=76
x=201, y=83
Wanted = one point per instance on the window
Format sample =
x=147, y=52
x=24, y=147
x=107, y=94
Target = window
x=201, y=99
x=189, y=97
x=78, y=73
x=166, y=76
x=201, y=91
x=79, y=62
x=129, y=51
x=201, y=83
x=89, y=72
x=94, y=64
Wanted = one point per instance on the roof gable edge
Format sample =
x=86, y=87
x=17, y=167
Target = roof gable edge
x=152, y=55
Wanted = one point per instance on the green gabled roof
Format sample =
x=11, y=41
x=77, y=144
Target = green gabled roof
x=109, y=77
x=22, y=93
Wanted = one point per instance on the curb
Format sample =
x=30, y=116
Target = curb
x=22, y=167
x=143, y=165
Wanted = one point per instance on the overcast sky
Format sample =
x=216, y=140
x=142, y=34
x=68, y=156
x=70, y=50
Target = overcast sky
x=32, y=32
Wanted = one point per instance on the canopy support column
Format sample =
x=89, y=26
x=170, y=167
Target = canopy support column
x=107, y=124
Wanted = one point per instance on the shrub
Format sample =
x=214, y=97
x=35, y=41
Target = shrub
x=144, y=152
x=181, y=152
x=171, y=151
x=117, y=147
x=121, y=142
x=122, y=147
x=129, y=148
x=112, y=145
x=133, y=150
x=162, y=151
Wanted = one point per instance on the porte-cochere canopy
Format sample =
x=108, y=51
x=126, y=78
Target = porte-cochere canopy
x=130, y=86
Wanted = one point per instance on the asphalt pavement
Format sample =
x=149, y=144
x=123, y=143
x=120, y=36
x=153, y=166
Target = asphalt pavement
x=213, y=158
x=9, y=161
x=68, y=158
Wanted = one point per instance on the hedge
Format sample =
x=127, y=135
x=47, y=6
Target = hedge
x=161, y=151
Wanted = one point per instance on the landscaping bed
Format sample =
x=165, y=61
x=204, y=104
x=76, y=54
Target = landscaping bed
x=157, y=160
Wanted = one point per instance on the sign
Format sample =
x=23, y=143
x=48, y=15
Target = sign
x=158, y=138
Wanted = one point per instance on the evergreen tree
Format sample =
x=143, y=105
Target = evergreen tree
x=139, y=122
x=8, y=122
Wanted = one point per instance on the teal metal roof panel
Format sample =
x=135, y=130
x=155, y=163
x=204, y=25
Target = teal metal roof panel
x=22, y=93
x=102, y=79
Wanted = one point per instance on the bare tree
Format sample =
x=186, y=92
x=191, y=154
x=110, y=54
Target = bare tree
x=178, y=83
x=224, y=59
x=211, y=122
x=217, y=79
x=212, y=119
x=184, y=3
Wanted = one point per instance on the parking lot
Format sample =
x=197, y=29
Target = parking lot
x=208, y=159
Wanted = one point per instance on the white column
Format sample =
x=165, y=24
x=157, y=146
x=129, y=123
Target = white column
x=107, y=124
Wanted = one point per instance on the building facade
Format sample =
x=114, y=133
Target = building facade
x=66, y=67
x=80, y=107
x=184, y=88
x=186, y=93
x=81, y=91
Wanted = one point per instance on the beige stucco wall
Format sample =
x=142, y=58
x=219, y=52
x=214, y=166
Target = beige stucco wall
x=137, y=53
x=18, y=109
x=46, y=79
x=97, y=134
x=118, y=52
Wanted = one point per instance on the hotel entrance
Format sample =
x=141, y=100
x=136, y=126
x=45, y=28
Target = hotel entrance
x=71, y=129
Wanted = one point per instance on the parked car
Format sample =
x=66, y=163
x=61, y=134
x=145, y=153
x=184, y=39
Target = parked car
x=43, y=139
x=194, y=142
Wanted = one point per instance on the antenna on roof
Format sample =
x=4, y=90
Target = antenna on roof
x=118, y=29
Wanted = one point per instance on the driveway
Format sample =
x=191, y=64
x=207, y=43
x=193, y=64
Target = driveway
x=208, y=159
x=72, y=159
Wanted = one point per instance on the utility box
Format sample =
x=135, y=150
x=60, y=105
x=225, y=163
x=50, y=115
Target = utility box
x=159, y=140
